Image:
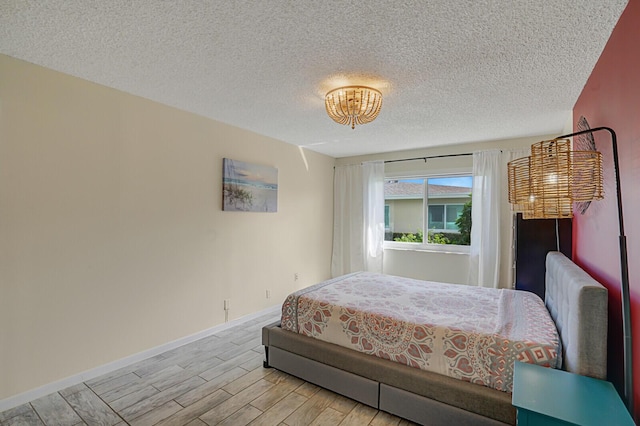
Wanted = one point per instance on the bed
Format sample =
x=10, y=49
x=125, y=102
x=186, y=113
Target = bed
x=577, y=305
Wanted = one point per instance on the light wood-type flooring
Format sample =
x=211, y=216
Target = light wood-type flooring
x=217, y=380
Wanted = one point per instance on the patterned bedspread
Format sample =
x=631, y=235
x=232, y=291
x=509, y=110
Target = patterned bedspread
x=470, y=333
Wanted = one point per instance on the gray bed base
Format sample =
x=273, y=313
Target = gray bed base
x=577, y=303
x=420, y=396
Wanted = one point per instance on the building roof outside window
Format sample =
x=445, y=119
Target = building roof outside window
x=396, y=189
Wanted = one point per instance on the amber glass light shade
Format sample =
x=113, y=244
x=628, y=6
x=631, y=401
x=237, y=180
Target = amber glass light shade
x=353, y=105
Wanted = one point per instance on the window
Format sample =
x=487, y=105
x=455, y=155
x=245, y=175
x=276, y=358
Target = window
x=436, y=217
x=439, y=205
x=386, y=217
x=438, y=213
x=452, y=213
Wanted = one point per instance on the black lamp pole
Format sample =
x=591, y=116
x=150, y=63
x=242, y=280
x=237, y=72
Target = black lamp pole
x=624, y=272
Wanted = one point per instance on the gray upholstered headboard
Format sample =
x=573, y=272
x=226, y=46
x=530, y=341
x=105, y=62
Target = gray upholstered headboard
x=578, y=305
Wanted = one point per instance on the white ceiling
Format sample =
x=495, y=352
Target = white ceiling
x=450, y=71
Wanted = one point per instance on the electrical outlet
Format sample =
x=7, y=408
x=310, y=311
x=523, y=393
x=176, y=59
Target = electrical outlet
x=296, y=276
x=268, y=294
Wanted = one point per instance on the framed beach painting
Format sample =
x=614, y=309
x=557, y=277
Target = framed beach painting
x=248, y=187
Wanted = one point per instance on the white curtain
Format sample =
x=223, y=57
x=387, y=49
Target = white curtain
x=358, y=220
x=507, y=277
x=373, y=214
x=484, y=259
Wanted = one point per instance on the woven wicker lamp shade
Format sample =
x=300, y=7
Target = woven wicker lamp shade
x=546, y=184
x=550, y=176
x=521, y=194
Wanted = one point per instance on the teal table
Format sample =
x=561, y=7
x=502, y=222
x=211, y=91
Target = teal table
x=544, y=396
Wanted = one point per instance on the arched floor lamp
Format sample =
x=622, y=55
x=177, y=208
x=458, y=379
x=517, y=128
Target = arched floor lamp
x=543, y=186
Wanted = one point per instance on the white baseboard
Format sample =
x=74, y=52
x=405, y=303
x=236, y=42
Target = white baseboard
x=23, y=398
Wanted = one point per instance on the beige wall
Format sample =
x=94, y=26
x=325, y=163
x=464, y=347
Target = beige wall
x=405, y=215
x=432, y=266
x=112, y=238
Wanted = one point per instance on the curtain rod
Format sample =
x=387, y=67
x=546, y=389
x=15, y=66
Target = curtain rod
x=422, y=158
x=426, y=158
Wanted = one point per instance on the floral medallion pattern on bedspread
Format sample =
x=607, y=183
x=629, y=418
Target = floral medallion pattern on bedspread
x=470, y=333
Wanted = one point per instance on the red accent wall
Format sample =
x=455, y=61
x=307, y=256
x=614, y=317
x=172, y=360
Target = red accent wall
x=611, y=97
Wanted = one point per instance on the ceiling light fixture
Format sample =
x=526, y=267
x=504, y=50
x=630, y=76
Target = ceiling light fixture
x=353, y=104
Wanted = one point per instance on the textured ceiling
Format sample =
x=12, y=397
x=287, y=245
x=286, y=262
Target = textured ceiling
x=450, y=71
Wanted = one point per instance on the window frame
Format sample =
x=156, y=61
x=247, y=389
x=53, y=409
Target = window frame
x=426, y=246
